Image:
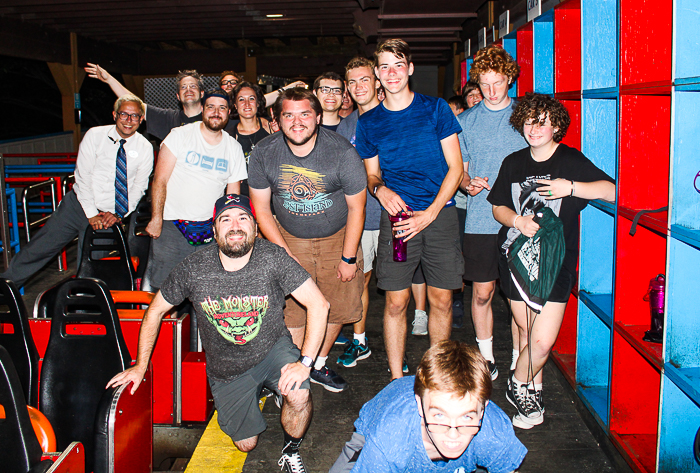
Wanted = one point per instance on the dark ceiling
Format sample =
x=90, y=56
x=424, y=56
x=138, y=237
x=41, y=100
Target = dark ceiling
x=309, y=37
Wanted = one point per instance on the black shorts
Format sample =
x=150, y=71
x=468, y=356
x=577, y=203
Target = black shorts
x=436, y=249
x=237, y=401
x=560, y=292
x=480, y=257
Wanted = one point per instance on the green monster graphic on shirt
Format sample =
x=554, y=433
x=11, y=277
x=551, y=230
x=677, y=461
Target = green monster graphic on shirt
x=236, y=318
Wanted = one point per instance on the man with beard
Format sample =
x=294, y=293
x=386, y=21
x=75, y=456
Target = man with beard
x=110, y=157
x=317, y=184
x=237, y=289
x=196, y=162
x=329, y=87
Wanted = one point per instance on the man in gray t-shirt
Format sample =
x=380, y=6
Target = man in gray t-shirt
x=237, y=289
x=486, y=139
x=317, y=183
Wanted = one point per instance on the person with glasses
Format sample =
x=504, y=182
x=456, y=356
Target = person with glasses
x=329, y=87
x=228, y=80
x=440, y=420
x=109, y=156
x=159, y=121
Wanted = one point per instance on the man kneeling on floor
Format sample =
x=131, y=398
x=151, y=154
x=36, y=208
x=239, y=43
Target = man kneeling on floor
x=237, y=289
x=441, y=420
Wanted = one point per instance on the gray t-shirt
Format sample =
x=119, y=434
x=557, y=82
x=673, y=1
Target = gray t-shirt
x=487, y=138
x=373, y=211
x=308, y=193
x=239, y=313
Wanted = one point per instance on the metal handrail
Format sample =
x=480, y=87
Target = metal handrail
x=6, y=255
x=51, y=183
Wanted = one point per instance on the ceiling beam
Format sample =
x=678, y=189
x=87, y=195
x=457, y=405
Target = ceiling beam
x=422, y=16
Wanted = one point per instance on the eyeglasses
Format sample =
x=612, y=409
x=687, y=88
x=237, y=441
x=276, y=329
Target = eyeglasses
x=331, y=90
x=189, y=86
x=444, y=428
x=232, y=82
x=126, y=116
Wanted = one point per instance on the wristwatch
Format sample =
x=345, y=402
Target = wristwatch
x=374, y=193
x=352, y=260
x=306, y=361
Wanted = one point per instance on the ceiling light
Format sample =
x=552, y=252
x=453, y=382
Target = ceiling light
x=275, y=15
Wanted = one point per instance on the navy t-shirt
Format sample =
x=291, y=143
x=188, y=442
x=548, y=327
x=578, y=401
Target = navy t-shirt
x=408, y=144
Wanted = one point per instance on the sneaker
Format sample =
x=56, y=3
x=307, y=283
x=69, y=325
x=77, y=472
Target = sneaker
x=354, y=352
x=291, y=463
x=329, y=379
x=525, y=401
x=493, y=370
x=539, y=400
x=457, y=314
x=420, y=323
x=341, y=340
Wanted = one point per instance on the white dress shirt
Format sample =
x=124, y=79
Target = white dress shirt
x=96, y=167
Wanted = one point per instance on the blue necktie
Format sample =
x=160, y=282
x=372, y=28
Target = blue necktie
x=121, y=195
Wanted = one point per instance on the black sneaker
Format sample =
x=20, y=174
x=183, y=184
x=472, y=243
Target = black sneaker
x=354, y=352
x=525, y=401
x=493, y=370
x=291, y=463
x=329, y=379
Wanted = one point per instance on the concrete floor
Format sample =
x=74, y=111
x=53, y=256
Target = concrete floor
x=568, y=440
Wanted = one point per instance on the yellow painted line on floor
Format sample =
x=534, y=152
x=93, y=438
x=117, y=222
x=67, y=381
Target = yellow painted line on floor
x=215, y=451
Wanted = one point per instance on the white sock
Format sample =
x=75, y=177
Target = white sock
x=421, y=312
x=538, y=387
x=320, y=362
x=486, y=349
x=516, y=354
x=360, y=337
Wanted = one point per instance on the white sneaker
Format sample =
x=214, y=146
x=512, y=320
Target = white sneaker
x=420, y=323
x=291, y=463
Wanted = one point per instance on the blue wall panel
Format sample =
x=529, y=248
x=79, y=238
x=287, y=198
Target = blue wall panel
x=599, y=51
x=687, y=38
x=543, y=68
x=686, y=160
x=680, y=419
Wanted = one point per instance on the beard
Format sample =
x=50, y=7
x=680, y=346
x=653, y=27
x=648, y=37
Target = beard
x=215, y=127
x=236, y=250
x=305, y=139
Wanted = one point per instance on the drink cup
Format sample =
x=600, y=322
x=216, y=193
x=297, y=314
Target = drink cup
x=400, y=246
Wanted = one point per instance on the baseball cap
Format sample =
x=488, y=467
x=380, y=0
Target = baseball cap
x=231, y=201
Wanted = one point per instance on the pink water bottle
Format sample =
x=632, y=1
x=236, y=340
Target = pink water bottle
x=655, y=296
x=400, y=246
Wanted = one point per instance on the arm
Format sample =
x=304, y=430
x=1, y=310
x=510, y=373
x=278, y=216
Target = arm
x=475, y=185
x=508, y=218
x=147, y=340
x=96, y=72
x=233, y=187
x=164, y=169
x=455, y=173
x=272, y=96
x=353, y=232
x=561, y=188
x=84, y=168
x=309, y=295
x=266, y=222
x=389, y=199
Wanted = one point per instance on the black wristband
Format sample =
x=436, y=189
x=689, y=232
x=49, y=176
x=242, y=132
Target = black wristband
x=352, y=260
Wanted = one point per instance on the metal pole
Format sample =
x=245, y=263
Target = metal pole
x=6, y=254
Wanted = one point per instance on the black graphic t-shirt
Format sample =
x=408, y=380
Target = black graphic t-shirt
x=239, y=313
x=308, y=192
x=516, y=184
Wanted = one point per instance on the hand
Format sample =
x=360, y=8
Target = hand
x=96, y=72
x=413, y=226
x=293, y=374
x=527, y=225
x=299, y=83
x=96, y=222
x=555, y=189
x=109, y=219
x=132, y=375
x=477, y=184
x=154, y=227
x=346, y=272
x=390, y=200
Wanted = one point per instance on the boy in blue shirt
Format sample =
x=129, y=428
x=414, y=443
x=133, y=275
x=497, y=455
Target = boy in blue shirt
x=411, y=152
x=441, y=421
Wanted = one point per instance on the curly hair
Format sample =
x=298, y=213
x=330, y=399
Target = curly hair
x=259, y=97
x=493, y=58
x=540, y=107
x=456, y=368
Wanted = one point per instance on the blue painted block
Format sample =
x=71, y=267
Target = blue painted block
x=596, y=399
x=687, y=40
x=510, y=44
x=543, y=52
x=680, y=419
x=596, y=251
x=682, y=308
x=600, y=304
x=599, y=133
x=686, y=164
x=593, y=352
x=599, y=51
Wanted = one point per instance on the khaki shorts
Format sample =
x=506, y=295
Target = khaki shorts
x=320, y=257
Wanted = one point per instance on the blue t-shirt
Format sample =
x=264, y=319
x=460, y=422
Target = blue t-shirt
x=408, y=144
x=487, y=138
x=373, y=210
x=391, y=426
